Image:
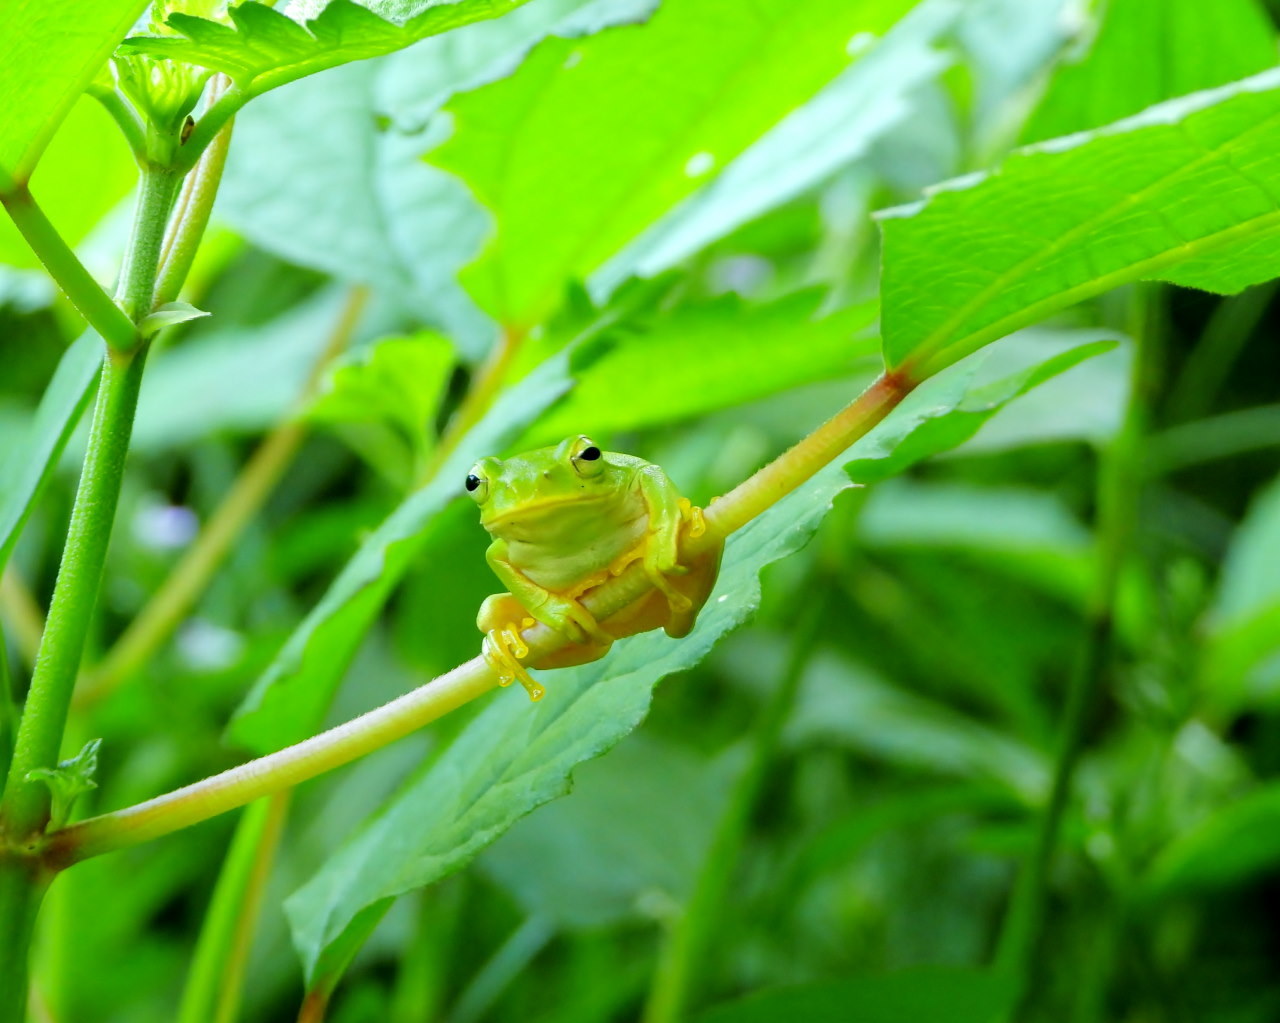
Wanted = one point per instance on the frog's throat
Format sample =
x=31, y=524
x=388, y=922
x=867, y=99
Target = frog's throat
x=530, y=509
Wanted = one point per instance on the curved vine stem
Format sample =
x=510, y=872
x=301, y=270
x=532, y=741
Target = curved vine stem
x=347, y=742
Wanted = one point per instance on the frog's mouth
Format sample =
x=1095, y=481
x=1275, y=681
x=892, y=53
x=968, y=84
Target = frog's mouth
x=535, y=511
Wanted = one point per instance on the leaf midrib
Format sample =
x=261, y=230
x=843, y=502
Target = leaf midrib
x=937, y=338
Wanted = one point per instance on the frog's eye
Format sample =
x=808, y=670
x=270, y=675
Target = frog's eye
x=477, y=486
x=587, y=459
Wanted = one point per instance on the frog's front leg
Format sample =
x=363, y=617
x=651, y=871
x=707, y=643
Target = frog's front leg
x=503, y=616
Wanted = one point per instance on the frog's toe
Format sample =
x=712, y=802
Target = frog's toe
x=502, y=649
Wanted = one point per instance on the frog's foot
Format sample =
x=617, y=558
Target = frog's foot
x=503, y=649
x=695, y=522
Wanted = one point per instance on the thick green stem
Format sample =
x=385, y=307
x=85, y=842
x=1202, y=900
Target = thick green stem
x=400, y=717
x=21, y=889
x=1120, y=480
x=26, y=804
x=77, y=283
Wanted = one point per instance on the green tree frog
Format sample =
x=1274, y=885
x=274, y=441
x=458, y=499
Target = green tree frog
x=563, y=520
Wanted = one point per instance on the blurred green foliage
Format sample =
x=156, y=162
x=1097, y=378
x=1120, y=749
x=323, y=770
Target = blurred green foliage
x=674, y=218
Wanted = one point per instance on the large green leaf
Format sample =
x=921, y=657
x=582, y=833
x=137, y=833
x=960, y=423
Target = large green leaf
x=1200, y=46
x=620, y=843
x=289, y=700
x=1185, y=192
x=913, y=996
x=27, y=469
x=514, y=756
x=58, y=180
x=590, y=142
x=328, y=172
x=263, y=48
x=712, y=355
x=48, y=54
x=840, y=124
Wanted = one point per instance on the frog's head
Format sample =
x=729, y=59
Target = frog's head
x=521, y=489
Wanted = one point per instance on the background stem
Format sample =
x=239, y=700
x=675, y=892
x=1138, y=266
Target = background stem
x=682, y=962
x=1120, y=479
x=174, y=599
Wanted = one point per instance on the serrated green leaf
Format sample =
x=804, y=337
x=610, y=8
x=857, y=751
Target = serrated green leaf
x=29, y=467
x=1200, y=46
x=383, y=399
x=329, y=172
x=912, y=996
x=263, y=48
x=575, y=156
x=710, y=356
x=1185, y=192
x=168, y=315
x=289, y=699
x=47, y=57
x=514, y=756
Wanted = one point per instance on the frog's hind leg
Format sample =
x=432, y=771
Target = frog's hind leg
x=655, y=610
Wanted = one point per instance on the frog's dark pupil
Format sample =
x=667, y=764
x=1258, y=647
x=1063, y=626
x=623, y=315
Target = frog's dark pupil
x=590, y=454
x=473, y=481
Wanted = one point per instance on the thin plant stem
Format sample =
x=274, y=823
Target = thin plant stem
x=174, y=599
x=683, y=958
x=485, y=386
x=1120, y=479
x=495, y=976
x=85, y=293
x=215, y=980
x=126, y=118
x=375, y=729
x=210, y=124
x=194, y=206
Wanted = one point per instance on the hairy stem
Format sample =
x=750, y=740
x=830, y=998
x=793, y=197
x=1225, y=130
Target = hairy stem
x=345, y=743
x=26, y=804
x=1120, y=480
x=189, y=578
x=85, y=293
